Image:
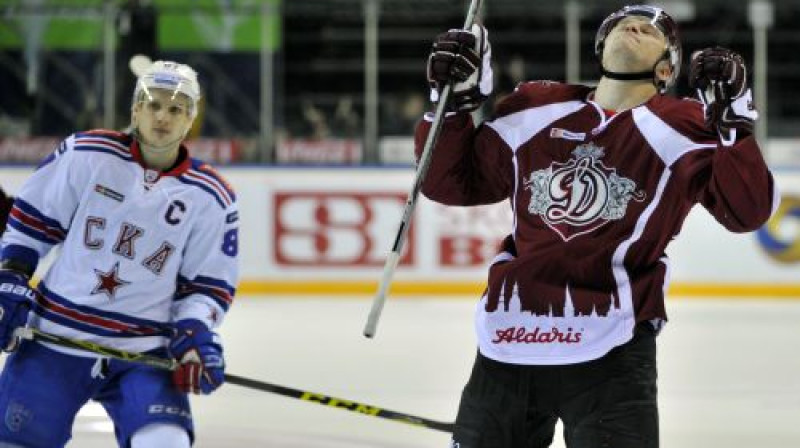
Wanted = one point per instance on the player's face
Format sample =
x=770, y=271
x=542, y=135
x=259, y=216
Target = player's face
x=162, y=118
x=633, y=45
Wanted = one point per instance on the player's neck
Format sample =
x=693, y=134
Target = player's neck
x=622, y=95
x=161, y=161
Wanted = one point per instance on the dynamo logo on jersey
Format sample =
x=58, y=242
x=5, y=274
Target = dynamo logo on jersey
x=775, y=237
x=581, y=194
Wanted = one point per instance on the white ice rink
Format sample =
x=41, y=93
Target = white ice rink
x=729, y=374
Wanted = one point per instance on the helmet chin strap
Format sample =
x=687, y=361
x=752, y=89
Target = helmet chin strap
x=635, y=76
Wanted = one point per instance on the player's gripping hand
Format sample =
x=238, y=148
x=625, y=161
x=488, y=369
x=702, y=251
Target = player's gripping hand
x=199, y=352
x=463, y=58
x=16, y=298
x=6, y=203
x=720, y=77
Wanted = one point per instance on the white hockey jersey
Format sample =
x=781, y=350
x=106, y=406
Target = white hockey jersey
x=138, y=248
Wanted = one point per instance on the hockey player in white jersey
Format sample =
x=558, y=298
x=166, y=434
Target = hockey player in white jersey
x=148, y=242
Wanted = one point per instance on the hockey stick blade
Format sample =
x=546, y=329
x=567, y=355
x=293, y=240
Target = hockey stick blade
x=171, y=364
x=392, y=260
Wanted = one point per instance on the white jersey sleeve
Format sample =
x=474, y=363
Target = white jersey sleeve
x=44, y=207
x=209, y=272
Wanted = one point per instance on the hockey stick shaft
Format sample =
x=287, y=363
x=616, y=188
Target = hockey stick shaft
x=140, y=358
x=171, y=364
x=339, y=403
x=393, y=259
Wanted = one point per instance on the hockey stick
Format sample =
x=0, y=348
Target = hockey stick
x=171, y=364
x=422, y=170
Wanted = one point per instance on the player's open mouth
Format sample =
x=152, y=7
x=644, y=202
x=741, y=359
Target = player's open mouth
x=632, y=36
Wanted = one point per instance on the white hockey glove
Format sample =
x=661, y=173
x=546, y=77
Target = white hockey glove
x=465, y=59
x=720, y=77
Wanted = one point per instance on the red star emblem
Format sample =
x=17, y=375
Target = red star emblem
x=108, y=282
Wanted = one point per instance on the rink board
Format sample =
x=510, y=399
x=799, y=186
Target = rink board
x=328, y=231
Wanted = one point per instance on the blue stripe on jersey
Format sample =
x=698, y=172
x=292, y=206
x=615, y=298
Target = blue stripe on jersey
x=205, y=187
x=215, y=283
x=204, y=176
x=47, y=159
x=207, y=171
x=104, y=143
x=62, y=147
x=31, y=232
x=29, y=220
x=33, y=211
x=94, y=321
x=104, y=149
x=113, y=138
x=217, y=290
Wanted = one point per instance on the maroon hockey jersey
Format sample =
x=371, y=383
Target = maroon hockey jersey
x=595, y=200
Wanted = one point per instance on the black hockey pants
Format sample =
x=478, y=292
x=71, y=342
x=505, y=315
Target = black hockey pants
x=609, y=402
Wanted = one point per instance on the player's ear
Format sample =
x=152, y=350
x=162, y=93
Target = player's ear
x=663, y=70
x=135, y=108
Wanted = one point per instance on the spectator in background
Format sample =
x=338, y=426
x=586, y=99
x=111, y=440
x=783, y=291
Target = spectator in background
x=316, y=121
x=509, y=77
x=413, y=106
x=346, y=122
x=400, y=112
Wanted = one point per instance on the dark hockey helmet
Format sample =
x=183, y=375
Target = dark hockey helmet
x=659, y=18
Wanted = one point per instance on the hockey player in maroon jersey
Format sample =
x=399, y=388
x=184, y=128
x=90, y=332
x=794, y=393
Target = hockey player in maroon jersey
x=600, y=180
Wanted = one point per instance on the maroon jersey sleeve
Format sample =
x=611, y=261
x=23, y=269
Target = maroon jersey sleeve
x=472, y=166
x=732, y=182
x=468, y=166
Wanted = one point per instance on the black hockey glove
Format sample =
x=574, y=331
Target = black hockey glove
x=6, y=203
x=720, y=77
x=463, y=58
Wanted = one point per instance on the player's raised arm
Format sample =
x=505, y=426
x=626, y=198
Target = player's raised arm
x=734, y=183
x=467, y=167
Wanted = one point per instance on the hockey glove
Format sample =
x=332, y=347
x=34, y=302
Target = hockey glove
x=463, y=58
x=16, y=298
x=199, y=352
x=720, y=77
x=6, y=203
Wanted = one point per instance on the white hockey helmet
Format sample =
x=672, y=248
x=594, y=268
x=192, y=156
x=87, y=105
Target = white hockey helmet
x=171, y=76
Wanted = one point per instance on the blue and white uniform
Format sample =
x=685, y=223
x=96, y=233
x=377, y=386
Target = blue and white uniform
x=139, y=249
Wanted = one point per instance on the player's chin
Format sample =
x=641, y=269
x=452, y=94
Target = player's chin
x=160, y=139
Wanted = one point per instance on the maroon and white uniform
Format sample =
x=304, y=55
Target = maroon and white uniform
x=596, y=199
